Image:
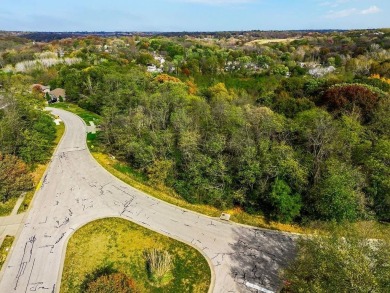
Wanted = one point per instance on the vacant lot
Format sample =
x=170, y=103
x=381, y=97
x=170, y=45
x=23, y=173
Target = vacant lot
x=267, y=41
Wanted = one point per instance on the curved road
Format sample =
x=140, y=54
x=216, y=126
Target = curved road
x=77, y=190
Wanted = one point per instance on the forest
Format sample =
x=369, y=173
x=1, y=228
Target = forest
x=294, y=129
x=290, y=126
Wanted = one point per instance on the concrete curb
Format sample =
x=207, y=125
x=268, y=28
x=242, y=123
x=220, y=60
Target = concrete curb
x=63, y=254
x=31, y=203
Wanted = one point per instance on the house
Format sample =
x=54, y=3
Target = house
x=154, y=69
x=57, y=95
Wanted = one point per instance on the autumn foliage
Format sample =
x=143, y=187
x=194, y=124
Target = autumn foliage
x=14, y=177
x=350, y=98
x=115, y=282
x=384, y=79
x=162, y=78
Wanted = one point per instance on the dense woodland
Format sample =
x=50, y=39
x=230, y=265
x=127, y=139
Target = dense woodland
x=26, y=140
x=296, y=130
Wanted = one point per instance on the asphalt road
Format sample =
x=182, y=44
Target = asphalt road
x=77, y=190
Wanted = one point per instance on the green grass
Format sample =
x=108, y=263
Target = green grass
x=122, y=243
x=87, y=116
x=7, y=207
x=126, y=169
x=4, y=249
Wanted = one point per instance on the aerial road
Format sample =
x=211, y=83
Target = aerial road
x=76, y=190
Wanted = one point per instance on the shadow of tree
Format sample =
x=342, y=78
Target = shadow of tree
x=258, y=257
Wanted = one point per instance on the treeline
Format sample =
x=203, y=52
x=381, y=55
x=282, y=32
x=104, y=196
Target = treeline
x=296, y=130
x=26, y=139
x=316, y=149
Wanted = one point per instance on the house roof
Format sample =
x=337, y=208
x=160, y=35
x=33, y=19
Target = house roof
x=58, y=92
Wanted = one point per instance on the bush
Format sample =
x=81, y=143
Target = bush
x=340, y=262
x=115, y=282
x=159, y=265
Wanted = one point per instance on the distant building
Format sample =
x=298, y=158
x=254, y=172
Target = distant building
x=154, y=69
x=57, y=94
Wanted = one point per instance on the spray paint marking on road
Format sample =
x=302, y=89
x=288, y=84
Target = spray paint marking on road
x=26, y=258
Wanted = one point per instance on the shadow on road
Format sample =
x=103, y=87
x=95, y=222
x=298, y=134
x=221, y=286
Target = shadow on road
x=258, y=256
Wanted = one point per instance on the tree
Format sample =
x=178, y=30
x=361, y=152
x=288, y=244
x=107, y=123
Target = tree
x=351, y=98
x=317, y=129
x=339, y=263
x=338, y=195
x=159, y=171
x=14, y=177
x=35, y=147
x=379, y=178
x=286, y=205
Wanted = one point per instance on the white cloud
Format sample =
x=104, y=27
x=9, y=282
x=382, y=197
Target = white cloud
x=371, y=10
x=351, y=11
x=341, y=13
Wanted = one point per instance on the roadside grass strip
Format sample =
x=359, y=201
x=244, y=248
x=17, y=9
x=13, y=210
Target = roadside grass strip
x=87, y=116
x=7, y=207
x=5, y=248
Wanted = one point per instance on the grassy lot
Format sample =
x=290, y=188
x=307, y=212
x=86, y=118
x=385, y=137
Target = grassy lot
x=122, y=244
x=267, y=41
x=84, y=114
x=39, y=171
x=4, y=249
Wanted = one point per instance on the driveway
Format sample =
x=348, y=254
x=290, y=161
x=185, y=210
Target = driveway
x=77, y=190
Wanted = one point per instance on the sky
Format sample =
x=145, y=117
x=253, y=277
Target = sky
x=192, y=15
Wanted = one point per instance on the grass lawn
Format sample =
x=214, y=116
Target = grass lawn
x=4, y=249
x=7, y=207
x=84, y=114
x=267, y=41
x=39, y=171
x=122, y=243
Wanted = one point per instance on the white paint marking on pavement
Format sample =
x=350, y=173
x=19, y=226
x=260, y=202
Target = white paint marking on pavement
x=257, y=287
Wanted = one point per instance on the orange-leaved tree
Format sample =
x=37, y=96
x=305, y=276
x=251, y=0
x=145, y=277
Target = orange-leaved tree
x=14, y=177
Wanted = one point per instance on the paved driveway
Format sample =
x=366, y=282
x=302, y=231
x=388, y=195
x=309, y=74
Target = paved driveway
x=77, y=190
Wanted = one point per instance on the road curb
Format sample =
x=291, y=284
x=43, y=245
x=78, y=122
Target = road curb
x=26, y=212
x=63, y=253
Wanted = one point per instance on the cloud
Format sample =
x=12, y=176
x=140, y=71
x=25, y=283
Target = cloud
x=352, y=11
x=371, y=10
x=341, y=13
